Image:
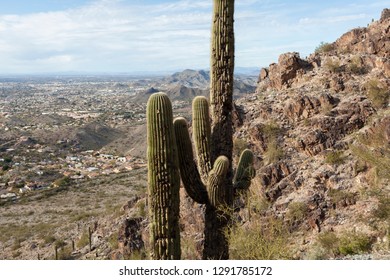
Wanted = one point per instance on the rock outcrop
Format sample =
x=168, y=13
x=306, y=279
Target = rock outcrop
x=332, y=139
x=281, y=75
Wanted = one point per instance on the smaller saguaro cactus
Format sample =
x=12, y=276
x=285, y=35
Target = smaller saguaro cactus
x=163, y=179
x=245, y=171
x=206, y=181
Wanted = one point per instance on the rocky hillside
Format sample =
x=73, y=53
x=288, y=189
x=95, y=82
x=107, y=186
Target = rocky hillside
x=321, y=130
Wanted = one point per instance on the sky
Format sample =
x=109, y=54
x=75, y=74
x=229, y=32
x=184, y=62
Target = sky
x=131, y=36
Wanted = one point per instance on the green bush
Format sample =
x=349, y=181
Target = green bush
x=271, y=130
x=356, y=66
x=333, y=65
x=328, y=241
x=346, y=243
x=354, y=243
x=382, y=212
x=324, y=47
x=297, y=211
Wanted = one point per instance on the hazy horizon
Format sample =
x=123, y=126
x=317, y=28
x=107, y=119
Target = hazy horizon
x=149, y=36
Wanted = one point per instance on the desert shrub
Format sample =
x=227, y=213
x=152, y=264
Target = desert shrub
x=351, y=243
x=382, y=212
x=333, y=65
x=48, y=239
x=378, y=93
x=113, y=241
x=274, y=152
x=337, y=196
x=297, y=211
x=345, y=243
x=373, y=150
x=83, y=240
x=324, y=47
x=271, y=130
x=335, y=158
x=62, y=182
x=260, y=240
x=328, y=241
x=60, y=243
x=356, y=66
x=380, y=162
x=5, y=167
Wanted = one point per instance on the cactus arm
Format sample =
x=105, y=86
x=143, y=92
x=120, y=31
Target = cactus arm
x=216, y=182
x=201, y=134
x=163, y=179
x=245, y=171
x=188, y=171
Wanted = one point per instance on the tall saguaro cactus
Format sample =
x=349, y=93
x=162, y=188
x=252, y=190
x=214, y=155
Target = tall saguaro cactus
x=163, y=179
x=222, y=70
x=208, y=179
x=221, y=101
x=213, y=141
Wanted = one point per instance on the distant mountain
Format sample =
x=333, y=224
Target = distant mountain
x=189, y=83
x=247, y=71
x=190, y=78
x=180, y=92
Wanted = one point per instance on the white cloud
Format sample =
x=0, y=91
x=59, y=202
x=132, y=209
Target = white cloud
x=105, y=30
x=115, y=35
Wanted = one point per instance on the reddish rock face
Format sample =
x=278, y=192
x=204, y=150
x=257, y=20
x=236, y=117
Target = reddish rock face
x=287, y=68
x=373, y=39
x=349, y=116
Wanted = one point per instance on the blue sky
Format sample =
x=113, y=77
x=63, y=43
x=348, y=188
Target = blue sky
x=111, y=36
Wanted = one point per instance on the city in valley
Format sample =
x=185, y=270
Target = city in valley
x=73, y=150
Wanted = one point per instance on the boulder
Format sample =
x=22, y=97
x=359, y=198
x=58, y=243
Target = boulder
x=281, y=75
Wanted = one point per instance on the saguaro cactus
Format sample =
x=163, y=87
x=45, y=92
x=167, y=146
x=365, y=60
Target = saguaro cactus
x=208, y=185
x=213, y=141
x=209, y=179
x=163, y=179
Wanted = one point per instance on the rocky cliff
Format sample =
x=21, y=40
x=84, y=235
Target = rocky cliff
x=320, y=127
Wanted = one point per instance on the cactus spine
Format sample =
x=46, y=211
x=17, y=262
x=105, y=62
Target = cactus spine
x=163, y=179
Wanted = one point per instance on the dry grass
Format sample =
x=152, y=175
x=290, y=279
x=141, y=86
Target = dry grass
x=259, y=236
x=262, y=239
